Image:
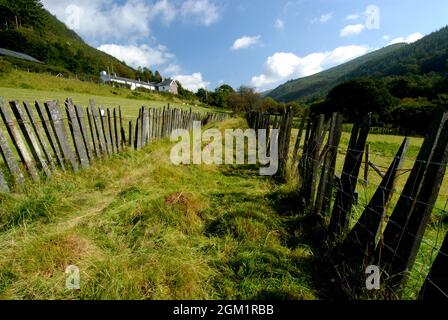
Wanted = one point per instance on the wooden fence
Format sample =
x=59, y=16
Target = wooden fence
x=41, y=138
x=372, y=237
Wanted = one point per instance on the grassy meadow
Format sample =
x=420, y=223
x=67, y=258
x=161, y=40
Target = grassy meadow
x=139, y=227
x=21, y=85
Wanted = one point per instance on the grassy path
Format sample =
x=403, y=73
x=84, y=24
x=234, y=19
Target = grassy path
x=141, y=228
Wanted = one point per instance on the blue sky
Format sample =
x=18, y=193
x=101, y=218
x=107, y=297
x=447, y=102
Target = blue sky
x=260, y=43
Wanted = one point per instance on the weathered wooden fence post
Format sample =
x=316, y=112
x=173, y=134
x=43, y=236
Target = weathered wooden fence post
x=340, y=217
x=328, y=159
x=51, y=135
x=75, y=130
x=85, y=136
x=40, y=135
x=18, y=142
x=30, y=138
x=93, y=132
x=111, y=132
x=122, y=131
x=98, y=127
x=59, y=128
x=10, y=159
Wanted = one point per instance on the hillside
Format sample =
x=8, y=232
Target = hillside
x=41, y=35
x=317, y=85
x=427, y=56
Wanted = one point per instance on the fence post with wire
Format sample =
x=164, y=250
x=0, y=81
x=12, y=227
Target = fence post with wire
x=365, y=233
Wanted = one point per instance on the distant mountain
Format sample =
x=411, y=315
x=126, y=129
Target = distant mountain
x=428, y=56
x=28, y=28
x=319, y=84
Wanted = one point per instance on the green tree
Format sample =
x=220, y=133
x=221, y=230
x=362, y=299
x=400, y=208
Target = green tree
x=220, y=98
x=358, y=97
x=203, y=95
x=185, y=93
x=270, y=105
x=245, y=99
x=21, y=12
x=157, y=77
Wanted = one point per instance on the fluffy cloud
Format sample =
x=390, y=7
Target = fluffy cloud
x=279, y=24
x=172, y=69
x=283, y=66
x=352, y=29
x=192, y=82
x=137, y=56
x=323, y=18
x=99, y=20
x=202, y=11
x=409, y=39
x=245, y=42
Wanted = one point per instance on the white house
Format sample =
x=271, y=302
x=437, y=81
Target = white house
x=132, y=84
x=167, y=85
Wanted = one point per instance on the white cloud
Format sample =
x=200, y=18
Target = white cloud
x=192, y=82
x=172, y=69
x=386, y=37
x=99, y=20
x=323, y=18
x=409, y=39
x=165, y=9
x=282, y=66
x=279, y=24
x=344, y=54
x=352, y=29
x=245, y=42
x=138, y=56
x=202, y=11
x=354, y=16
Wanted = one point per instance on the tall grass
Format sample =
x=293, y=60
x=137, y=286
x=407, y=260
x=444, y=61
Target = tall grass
x=139, y=227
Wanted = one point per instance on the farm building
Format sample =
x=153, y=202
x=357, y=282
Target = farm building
x=167, y=85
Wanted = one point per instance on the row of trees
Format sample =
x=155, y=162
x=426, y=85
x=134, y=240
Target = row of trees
x=244, y=99
x=407, y=102
x=15, y=13
x=144, y=74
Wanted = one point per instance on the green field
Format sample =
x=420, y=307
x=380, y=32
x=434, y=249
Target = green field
x=139, y=227
x=20, y=85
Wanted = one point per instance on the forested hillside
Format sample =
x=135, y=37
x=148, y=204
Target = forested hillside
x=426, y=58
x=27, y=27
